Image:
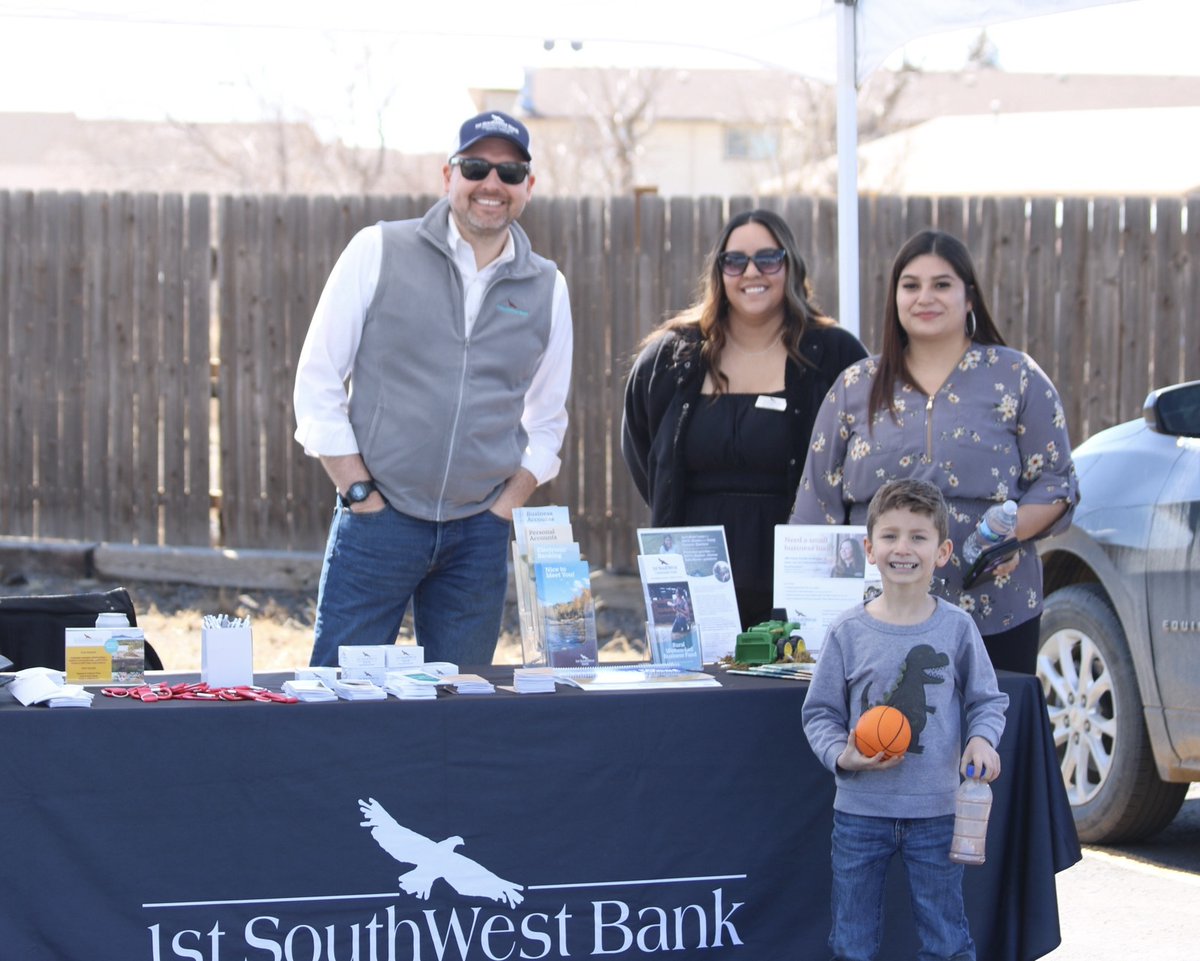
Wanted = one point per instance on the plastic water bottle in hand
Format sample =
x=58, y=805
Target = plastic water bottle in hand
x=972, y=806
x=998, y=523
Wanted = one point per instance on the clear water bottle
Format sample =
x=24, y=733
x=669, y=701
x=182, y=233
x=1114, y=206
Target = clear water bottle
x=972, y=805
x=998, y=523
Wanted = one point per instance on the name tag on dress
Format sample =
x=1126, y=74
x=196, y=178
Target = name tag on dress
x=771, y=403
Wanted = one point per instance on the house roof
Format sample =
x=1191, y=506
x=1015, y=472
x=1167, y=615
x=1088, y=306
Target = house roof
x=742, y=96
x=986, y=91
x=58, y=151
x=731, y=96
x=1087, y=152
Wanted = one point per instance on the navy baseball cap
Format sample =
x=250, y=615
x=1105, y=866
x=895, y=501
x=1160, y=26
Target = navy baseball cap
x=493, y=124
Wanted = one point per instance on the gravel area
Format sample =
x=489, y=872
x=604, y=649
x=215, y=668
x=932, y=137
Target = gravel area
x=282, y=621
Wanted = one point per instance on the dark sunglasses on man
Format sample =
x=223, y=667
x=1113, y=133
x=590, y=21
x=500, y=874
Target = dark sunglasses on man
x=511, y=172
x=769, y=260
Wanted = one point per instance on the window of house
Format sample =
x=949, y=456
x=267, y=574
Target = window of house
x=748, y=143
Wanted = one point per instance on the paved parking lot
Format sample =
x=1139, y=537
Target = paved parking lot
x=1135, y=901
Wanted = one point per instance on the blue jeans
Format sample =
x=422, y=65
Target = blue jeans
x=454, y=572
x=862, y=848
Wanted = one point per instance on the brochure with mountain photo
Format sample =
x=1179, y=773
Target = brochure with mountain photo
x=566, y=613
x=545, y=532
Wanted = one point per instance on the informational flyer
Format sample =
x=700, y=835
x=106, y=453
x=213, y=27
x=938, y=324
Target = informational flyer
x=675, y=637
x=820, y=571
x=539, y=533
x=705, y=557
x=566, y=613
x=105, y=655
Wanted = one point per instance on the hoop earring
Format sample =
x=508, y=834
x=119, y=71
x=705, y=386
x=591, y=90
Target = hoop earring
x=972, y=325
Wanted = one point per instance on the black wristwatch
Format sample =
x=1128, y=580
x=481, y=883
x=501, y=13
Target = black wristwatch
x=357, y=492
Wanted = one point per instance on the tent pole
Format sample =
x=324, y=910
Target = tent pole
x=847, y=164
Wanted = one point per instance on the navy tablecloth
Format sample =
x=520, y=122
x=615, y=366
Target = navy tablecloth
x=616, y=825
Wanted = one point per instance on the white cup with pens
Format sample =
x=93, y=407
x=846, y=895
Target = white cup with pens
x=226, y=651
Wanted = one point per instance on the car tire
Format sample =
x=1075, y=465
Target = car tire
x=1095, y=707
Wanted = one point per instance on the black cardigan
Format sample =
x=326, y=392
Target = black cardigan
x=664, y=387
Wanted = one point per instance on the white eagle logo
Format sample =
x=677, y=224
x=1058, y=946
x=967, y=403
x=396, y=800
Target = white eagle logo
x=497, y=125
x=434, y=859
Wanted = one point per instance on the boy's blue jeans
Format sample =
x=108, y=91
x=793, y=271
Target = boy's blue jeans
x=454, y=572
x=862, y=848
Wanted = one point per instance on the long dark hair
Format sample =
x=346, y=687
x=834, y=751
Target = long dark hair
x=858, y=562
x=893, y=366
x=710, y=312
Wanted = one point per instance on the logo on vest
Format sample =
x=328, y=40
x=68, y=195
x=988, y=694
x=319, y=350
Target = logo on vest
x=509, y=307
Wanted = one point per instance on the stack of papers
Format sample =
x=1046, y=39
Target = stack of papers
x=413, y=684
x=635, y=677
x=469, y=684
x=318, y=673
x=352, y=689
x=533, y=680
x=311, y=689
x=42, y=685
x=70, y=695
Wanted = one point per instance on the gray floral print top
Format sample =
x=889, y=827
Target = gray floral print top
x=994, y=430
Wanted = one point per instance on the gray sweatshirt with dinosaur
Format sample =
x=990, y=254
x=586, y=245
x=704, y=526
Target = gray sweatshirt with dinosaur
x=937, y=673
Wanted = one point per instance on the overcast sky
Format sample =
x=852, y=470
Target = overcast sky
x=335, y=64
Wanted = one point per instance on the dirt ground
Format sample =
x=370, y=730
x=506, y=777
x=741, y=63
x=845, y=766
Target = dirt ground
x=282, y=621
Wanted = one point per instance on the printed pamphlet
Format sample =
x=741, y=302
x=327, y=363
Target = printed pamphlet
x=674, y=636
x=539, y=534
x=709, y=577
x=820, y=571
x=105, y=655
x=539, y=525
x=566, y=613
x=641, y=678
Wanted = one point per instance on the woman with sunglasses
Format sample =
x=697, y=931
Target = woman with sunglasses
x=946, y=401
x=721, y=399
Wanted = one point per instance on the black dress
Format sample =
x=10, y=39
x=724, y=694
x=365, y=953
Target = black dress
x=736, y=457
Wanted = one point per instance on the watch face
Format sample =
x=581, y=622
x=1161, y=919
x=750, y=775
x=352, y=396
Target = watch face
x=358, y=492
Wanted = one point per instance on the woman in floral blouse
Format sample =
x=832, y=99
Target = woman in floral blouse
x=946, y=401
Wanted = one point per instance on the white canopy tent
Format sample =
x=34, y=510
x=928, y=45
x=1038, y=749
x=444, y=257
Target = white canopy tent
x=838, y=41
x=868, y=32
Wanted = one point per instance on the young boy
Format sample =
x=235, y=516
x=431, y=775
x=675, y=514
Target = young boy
x=925, y=657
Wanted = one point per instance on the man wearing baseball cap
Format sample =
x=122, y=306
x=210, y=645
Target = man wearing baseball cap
x=455, y=338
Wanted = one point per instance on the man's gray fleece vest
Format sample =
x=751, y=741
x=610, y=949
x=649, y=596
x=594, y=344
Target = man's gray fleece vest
x=438, y=416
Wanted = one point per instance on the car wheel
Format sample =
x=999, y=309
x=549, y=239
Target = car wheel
x=1095, y=710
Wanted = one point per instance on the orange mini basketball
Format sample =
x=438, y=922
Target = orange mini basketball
x=882, y=728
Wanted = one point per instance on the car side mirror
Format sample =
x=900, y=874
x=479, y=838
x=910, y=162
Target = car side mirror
x=1174, y=410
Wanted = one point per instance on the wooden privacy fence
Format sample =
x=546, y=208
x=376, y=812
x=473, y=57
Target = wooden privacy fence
x=150, y=341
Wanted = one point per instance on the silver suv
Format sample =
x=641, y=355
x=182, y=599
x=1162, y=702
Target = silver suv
x=1120, y=642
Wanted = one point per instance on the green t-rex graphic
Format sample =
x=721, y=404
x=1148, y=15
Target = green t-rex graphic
x=907, y=695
